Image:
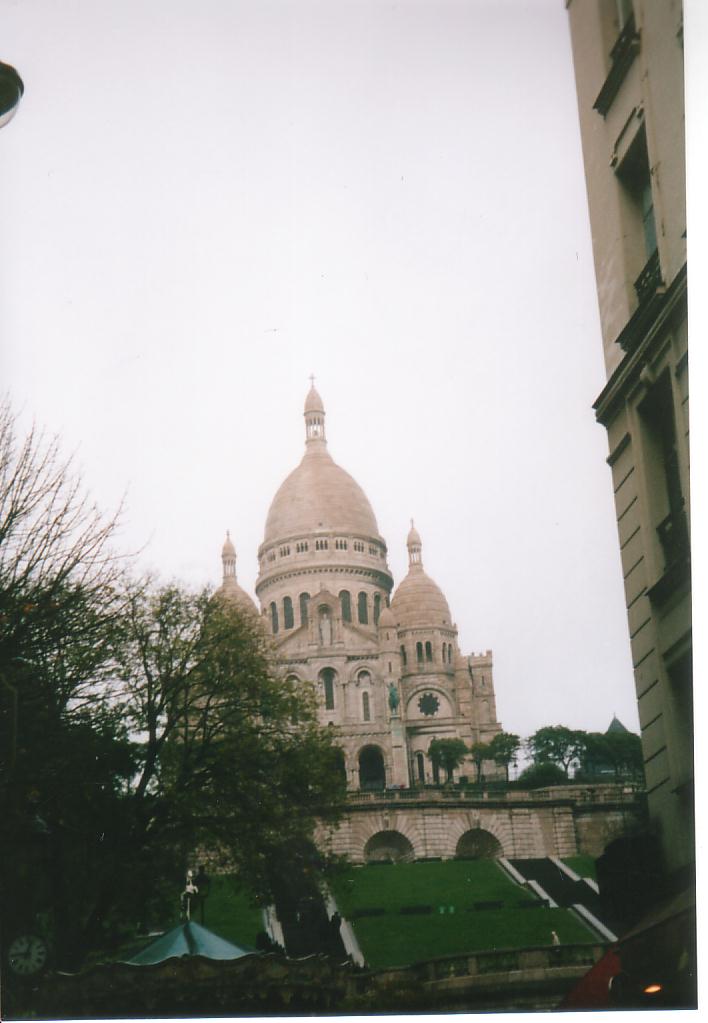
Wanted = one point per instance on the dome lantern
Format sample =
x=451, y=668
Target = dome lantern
x=415, y=548
x=314, y=416
x=228, y=558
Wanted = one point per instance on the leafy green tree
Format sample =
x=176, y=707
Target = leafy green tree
x=620, y=751
x=136, y=724
x=231, y=755
x=556, y=744
x=64, y=753
x=539, y=775
x=503, y=750
x=448, y=754
x=479, y=752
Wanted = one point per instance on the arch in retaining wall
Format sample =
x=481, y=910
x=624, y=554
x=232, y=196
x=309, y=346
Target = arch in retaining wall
x=502, y=831
x=478, y=844
x=388, y=845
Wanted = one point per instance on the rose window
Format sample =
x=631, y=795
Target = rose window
x=428, y=704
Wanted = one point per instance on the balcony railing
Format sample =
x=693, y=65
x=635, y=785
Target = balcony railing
x=673, y=536
x=650, y=280
x=621, y=56
x=602, y=792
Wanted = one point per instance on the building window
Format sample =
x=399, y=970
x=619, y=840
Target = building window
x=288, y=616
x=321, y=545
x=420, y=762
x=662, y=462
x=635, y=177
x=340, y=545
x=419, y=653
x=428, y=650
x=271, y=555
x=304, y=605
x=373, y=550
x=449, y=653
x=327, y=677
x=302, y=547
x=404, y=659
x=622, y=42
x=345, y=602
x=284, y=551
x=366, y=710
x=377, y=607
x=274, y=617
x=359, y=546
x=363, y=609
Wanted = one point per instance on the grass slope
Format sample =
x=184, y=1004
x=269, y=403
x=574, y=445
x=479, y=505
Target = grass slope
x=397, y=940
x=229, y=913
x=583, y=865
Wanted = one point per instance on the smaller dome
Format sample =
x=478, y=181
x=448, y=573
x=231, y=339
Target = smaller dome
x=386, y=619
x=420, y=603
x=231, y=591
x=313, y=402
x=228, y=550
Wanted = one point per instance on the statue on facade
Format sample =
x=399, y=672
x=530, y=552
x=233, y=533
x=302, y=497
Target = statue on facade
x=393, y=698
x=325, y=628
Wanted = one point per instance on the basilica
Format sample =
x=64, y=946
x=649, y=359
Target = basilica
x=388, y=671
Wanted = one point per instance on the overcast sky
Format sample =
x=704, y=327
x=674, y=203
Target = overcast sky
x=203, y=203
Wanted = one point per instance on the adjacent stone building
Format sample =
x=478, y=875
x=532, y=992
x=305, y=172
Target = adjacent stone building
x=388, y=670
x=628, y=57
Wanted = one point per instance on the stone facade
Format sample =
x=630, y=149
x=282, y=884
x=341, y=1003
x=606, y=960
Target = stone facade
x=628, y=58
x=389, y=674
x=390, y=678
x=519, y=825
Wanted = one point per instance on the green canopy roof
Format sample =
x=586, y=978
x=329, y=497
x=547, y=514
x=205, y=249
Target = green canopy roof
x=188, y=939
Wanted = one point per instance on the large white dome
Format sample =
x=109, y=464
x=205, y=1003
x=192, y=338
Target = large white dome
x=319, y=495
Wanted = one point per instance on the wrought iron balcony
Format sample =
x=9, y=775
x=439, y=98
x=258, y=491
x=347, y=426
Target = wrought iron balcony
x=673, y=536
x=621, y=56
x=650, y=280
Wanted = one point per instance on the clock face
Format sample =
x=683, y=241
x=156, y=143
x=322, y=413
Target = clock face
x=27, y=954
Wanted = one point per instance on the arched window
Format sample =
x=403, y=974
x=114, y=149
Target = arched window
x=366, y=709
x=377, y=607
x=363, y=609
x=404, y=659
x=345, y=601
x=428, y=650
x=304, y=604
x=274, y=617
x=327, y=677
x=420, y=762
x=288, y=616
x=419, y=653
x=449, y=653
x=444, y=653
x=372, y=773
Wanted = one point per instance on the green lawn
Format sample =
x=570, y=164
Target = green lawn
x=394, y=939
x=583, y=865
x=229, y=913
x=456, y=883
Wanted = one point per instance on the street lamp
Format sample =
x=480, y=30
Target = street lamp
x=11, y=89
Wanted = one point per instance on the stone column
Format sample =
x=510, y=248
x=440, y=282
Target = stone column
x=399, y=758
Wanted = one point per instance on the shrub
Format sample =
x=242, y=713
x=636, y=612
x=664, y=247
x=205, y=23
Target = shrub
x=539, y=775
